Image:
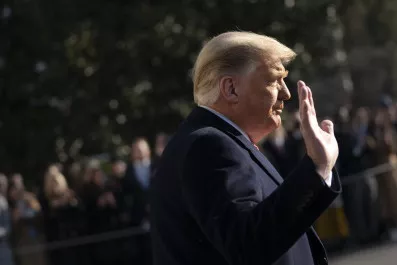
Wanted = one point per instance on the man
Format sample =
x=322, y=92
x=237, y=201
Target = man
x=121, y=188
x=216, y=198
x=160, y=144
x=141, y=163
x=138, y=174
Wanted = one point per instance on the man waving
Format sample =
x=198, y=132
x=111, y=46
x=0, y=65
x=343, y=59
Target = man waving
x=215, y=198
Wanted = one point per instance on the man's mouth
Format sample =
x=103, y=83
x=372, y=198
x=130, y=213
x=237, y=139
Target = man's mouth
x=277, y=111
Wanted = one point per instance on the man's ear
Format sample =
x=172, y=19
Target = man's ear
x=228, y=90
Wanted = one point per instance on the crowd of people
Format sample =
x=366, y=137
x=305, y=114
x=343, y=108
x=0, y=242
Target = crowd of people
x=367, y=138
x=76, y=202
x=81, y=200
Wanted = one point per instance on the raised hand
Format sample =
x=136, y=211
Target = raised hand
x=320, y=141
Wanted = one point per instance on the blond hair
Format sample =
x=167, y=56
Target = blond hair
x=232, y=53
x=54, y=182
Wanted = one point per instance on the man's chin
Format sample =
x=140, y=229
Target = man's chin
x=272, y=123
x=276, y=120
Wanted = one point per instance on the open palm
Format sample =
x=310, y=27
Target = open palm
x=320, y=141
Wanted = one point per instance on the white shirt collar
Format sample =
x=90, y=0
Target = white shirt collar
x=144, y=162
x=223, y=117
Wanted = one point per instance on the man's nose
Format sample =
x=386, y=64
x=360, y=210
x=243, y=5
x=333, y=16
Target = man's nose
x=284, y=93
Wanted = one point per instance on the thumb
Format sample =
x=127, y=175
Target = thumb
x=327, y=126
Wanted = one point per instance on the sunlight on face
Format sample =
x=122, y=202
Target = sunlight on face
x=262, y=100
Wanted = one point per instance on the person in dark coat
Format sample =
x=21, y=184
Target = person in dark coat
x=138, y=174
x=216, y=199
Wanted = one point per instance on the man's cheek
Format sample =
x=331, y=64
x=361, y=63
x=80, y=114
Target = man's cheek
x=268, y=104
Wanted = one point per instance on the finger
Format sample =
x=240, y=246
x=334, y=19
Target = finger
x=303, y=106
x=302, y=91
x=327, y=126
x=310, y=96
x=308, y=114
x=307, y=117
x=301, y=85
x=299, y=88
x=311, y=101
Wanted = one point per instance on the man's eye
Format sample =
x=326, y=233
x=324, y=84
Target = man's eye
x=272, y=83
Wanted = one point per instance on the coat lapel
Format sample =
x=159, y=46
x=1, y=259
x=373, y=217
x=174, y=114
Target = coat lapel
x=259, y=158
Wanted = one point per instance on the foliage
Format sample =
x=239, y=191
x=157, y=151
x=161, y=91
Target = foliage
x=83, y=77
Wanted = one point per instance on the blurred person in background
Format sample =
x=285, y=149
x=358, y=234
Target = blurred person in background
x=59, y=213
x=99, y=200
x=139, y=172
x=16, y=187
x=358, y=196
x=75, y=176
x=296, y=145
x=126, y=249
x=383, y=135
x=392, y=109
x=121, y=187
x=160, y=144
x=25, y=211
x=101, y=212
x=284, y=147
x=361, y=160
x=216, y=198
x=276, y=150
x=6, y=256
x=57, y=190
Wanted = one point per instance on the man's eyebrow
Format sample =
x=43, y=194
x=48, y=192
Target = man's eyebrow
x=276, y=74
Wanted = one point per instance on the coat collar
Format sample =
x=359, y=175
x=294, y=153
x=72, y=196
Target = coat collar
x=205, y=117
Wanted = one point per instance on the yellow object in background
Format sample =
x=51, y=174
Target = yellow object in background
x=332, y=224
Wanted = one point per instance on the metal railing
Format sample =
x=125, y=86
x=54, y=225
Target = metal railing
x=83, y=240
x=371, y=172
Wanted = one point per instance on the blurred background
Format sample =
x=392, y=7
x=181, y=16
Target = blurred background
x=91, y=91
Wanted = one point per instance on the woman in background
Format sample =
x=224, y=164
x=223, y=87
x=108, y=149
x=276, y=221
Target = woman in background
x=58, y=207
